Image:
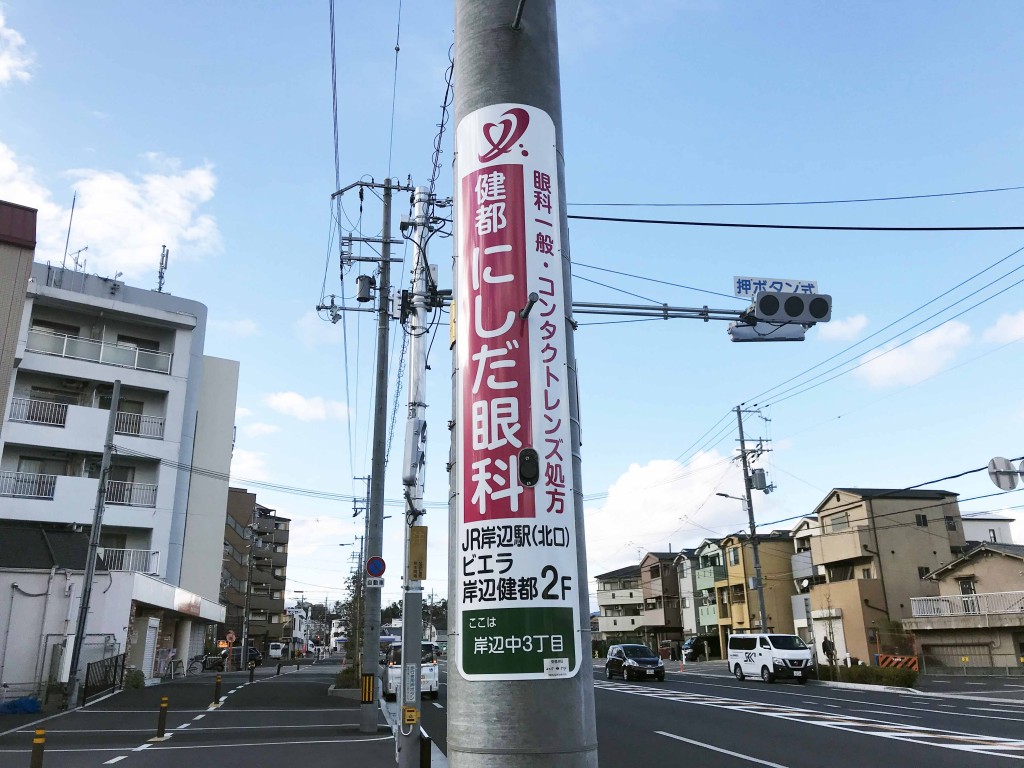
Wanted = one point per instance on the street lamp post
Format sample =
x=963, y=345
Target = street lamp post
x=757, y=555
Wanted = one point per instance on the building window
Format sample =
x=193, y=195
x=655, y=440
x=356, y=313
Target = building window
x=950, y=523
x=922, y=571
x=684, y=602
x=837, y=523
x=655, y=571
x=59, y=329
x=992, y=535
x=865, y=573
x=734, y=555
x=134, y=341
x=922, y=520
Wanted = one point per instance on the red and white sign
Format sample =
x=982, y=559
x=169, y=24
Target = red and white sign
x=230, y=636
x=513, y=375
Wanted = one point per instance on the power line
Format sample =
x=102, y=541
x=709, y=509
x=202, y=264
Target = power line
x=625, y=220
x=394, y=89
x=655, y=280
x=800, y=202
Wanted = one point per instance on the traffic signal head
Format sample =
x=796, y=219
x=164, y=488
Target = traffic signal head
x=803, y=308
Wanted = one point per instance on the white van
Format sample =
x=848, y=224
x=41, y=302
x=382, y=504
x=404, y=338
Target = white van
x=770, y=657
x=429, y=677
x=276, y=650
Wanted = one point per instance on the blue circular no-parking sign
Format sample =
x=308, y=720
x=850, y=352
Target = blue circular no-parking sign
x=375, y=566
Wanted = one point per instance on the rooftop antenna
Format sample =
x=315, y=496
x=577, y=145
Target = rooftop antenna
x=79, y=263
x=63, y=264
x=164, y=253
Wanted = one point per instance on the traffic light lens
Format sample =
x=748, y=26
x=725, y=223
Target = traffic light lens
x=769, y=304
x=794, y=306
x=819, y=308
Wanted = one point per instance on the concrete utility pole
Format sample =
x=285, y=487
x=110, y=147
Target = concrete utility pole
x=533, y=707
x=747, y=483
x=408, y=736
x=375, y=512
x=94, y=545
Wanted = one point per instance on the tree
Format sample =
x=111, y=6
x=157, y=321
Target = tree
x=392, y=612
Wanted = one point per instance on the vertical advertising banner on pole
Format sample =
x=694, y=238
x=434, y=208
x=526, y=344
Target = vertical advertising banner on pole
x=518, y=600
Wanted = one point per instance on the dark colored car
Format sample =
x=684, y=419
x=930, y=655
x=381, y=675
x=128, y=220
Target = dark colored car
x=693, y=648
x=634, y=662
x=255, y=657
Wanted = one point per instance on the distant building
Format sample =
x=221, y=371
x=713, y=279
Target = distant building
x=992, y=529
x=72, y=335
x=660, y=620
x=686, y=566
x=255, y=568
x=977, y=619
x=871, y=552
x=710, y=568
x=620, y=602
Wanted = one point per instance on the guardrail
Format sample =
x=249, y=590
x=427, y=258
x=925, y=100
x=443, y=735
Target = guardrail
x=131, y=494
x=78, y=348
x=39, y=412
x=27, y=485
x=968, y=605
x=139, y=425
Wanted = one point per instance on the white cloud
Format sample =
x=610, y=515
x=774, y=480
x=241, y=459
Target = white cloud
x=667, y=504
x=258, y=429
x=309, y=535
x=241, y=413
x=846, y=329
x=1006, y=329
x=921, y=359
x=313, y=331
x=122, y=220
x=248, y=465
x=14, y=59
x=241, y=328
x=305, y=408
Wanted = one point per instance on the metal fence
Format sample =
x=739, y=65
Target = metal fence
x=131, y=494
x=139, y=560
x=39, y=411
x=102, y=677
x=968, y=605
x=27, y=485
x=124, y=355
x=139, y=426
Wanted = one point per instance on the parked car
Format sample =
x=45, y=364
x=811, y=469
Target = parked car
x=693, y=648
x=770, y=657
x=255, y=657
x=276, y=650
x=634, y=661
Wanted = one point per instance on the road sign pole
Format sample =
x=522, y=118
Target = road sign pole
x=515, y=709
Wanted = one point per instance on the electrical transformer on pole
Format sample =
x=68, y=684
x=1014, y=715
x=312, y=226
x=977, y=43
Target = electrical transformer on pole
x=520, y=688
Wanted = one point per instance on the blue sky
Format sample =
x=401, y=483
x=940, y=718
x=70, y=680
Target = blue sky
x=208, y=127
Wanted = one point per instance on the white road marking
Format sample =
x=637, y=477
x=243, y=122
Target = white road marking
x=184, y=725
x=997, y=709
x=116, y=760
x=719, y=749
x=389, y=737
x=891, y=714
x=140, y=748
x=199, y=717
x=439, y=706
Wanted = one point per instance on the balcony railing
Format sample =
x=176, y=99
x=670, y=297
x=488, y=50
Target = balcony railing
x=39, y=412
x=27, y=485
x=138, y=425
x=706, y=577
x=968, y=605
x=138, y=560
x=131, y=494
x=78, y=348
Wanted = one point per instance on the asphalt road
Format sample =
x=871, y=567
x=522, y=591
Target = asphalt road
x=285, y=720
x=704, y=717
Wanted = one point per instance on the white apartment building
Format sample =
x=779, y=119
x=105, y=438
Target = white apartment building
x=163, y=525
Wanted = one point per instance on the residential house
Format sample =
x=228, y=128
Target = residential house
x=255, y=567
x=977, y=618
x=874, y=547
x=805, y=575
x=990, y=528
x=660, y=620
x=739, y=608
x=710, y=561
x=75, y=335
x=620, y=602
x=686, y=569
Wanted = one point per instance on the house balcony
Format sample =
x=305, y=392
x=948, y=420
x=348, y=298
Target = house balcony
x=89, y=421
x=706, y=577
x=619, y=623
x=991, y=609
x=137, y=560
x=131, y=494
x=630, y=596
x=265, y=603
x=107, y=353
x=25, y=485
x=846, y=545
x=707, y=615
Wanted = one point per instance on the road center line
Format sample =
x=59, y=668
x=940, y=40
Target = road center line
x=723, y=751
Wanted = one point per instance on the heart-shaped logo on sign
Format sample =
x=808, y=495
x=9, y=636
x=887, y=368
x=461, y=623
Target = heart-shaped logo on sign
x=508, y=132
